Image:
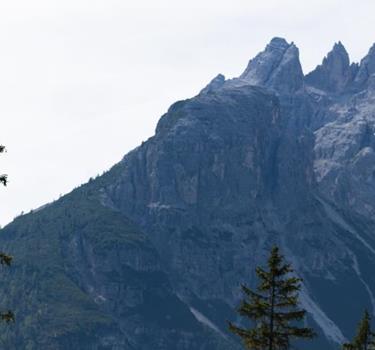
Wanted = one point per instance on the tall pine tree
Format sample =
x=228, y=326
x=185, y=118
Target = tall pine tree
x=5, y=259
x=365, y=337
x=273, y=308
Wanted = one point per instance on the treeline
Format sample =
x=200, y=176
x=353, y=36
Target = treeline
x=273, y=309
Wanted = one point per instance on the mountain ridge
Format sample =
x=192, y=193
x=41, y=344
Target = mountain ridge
x=152, y=253
x=267, y=66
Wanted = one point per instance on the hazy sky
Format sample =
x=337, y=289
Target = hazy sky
x=83, y=82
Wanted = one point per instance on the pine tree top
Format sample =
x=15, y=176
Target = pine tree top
x=273, y=307
x=365, y=337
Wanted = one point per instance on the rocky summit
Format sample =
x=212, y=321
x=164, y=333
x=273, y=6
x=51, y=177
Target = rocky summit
x=151, y=254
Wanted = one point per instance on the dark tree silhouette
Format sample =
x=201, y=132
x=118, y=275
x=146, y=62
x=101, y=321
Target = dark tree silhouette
x=273, y=308
x=365, y=337
x=5, y=259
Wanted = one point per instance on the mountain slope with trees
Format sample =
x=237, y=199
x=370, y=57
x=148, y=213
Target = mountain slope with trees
x=152, y=253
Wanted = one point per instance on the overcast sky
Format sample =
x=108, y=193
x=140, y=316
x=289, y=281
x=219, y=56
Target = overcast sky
x=82, y=82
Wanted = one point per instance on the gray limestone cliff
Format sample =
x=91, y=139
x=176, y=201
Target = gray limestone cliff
x=277, y=67
x=151, y=254
x=366, y=68
x=335, y=73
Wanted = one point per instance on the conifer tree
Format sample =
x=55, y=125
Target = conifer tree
x=365, y=338
x=273, y=308
x=5, y=259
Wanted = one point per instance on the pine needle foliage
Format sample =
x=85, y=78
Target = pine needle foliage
x=272, y=308
x=365, y=337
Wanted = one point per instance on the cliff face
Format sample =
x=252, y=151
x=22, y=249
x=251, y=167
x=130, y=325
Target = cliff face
x=151, y=254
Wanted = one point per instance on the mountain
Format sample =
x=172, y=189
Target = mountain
x=151, y=254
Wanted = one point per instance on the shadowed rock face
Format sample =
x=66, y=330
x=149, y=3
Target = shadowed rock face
x=151, y=254
x=366, y=68
x=335, y=73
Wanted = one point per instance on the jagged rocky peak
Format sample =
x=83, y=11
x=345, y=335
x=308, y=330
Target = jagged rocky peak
x=277, y=67
x=335, y=73
x=366, y=67
x=214, y=84
x=339, y=52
